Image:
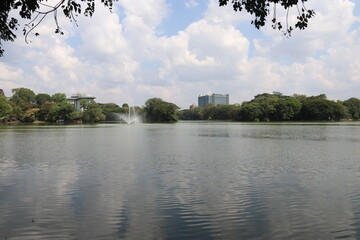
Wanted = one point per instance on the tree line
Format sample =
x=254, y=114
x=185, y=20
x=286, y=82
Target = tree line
x=26, y=106
x=279, y=107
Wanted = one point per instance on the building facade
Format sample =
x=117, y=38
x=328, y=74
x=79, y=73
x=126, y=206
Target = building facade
x=214, y=99
x=77, y=98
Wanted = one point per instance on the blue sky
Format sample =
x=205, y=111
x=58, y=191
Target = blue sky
x=177, y=50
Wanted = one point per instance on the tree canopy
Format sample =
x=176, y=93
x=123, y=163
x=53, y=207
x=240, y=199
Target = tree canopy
x=278, y=107
x=36, y=11
x=157, y=110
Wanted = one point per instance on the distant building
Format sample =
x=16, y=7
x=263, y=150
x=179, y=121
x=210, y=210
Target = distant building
x=76, y=99
x=192, y=106
x=213, y=99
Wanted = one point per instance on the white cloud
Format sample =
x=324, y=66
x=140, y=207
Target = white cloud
x=120, y=56
x=191, y=4
x=151, y=12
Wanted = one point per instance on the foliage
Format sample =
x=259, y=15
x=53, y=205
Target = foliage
x=210, y=112
x=5, y=108
x=23, y=97
x=41, y=98
x=92, y=112
x=45, y=109
x=322, y=109
x=111, y=110
x=61, y=111
x=276, y=107
x=30, y=115
x=287, y=108
x=157, y=110
x=37, y=11
x=17, y=113
x=250, y=111
x=58, y=97
x=261, y=11
x=25, y=106
x=191, y=114
x=353, y=106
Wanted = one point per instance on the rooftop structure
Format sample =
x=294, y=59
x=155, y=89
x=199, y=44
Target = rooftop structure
x=76, y=99
x=192, y=106
x=214, y=99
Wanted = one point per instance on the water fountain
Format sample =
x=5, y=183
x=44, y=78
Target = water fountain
x=131, y=117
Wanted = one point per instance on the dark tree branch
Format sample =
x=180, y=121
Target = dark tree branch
x=260, y=10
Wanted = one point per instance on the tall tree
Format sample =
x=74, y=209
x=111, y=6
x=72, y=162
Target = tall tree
x=58, y=97
x=353, y=106
x=92, y=111
x=23, y=97
x=322, y=109
x=45, y=110
x=41, y=98
x=62, y=111
x=5, y=108
x=157, y=110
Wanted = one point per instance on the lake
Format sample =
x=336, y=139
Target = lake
x=195, y=180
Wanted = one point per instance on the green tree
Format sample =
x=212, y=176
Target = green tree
x=30, y=115
x=45, y=109
x=58, y=97
x=111, y=110
x=322, y=109
x=268, y=103
x=301, y=97
x=62, y=111
x=287, y=108
x=41, y=98
x=353, y=107
x=92, y=112
x=17, y=113
x=23, y=98
x=224, y=112
x=191, y=114
x=320, y=96
x=209, y=112
x=5, y=108
x=250, y=111
x=36, y=12
x=157, y=110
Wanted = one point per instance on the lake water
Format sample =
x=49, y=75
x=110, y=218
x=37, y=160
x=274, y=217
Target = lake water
x=195, y=180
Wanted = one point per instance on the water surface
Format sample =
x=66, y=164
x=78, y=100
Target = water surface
x=200, y=180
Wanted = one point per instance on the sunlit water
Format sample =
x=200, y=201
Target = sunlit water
x=195, y=180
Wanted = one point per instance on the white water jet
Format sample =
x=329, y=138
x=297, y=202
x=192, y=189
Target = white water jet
x=131, y=117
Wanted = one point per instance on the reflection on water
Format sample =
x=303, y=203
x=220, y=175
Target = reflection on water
x=187, y=180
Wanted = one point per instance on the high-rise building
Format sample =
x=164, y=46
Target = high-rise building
x=213, y=99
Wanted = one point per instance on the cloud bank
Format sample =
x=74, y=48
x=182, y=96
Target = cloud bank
x=127, y=56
